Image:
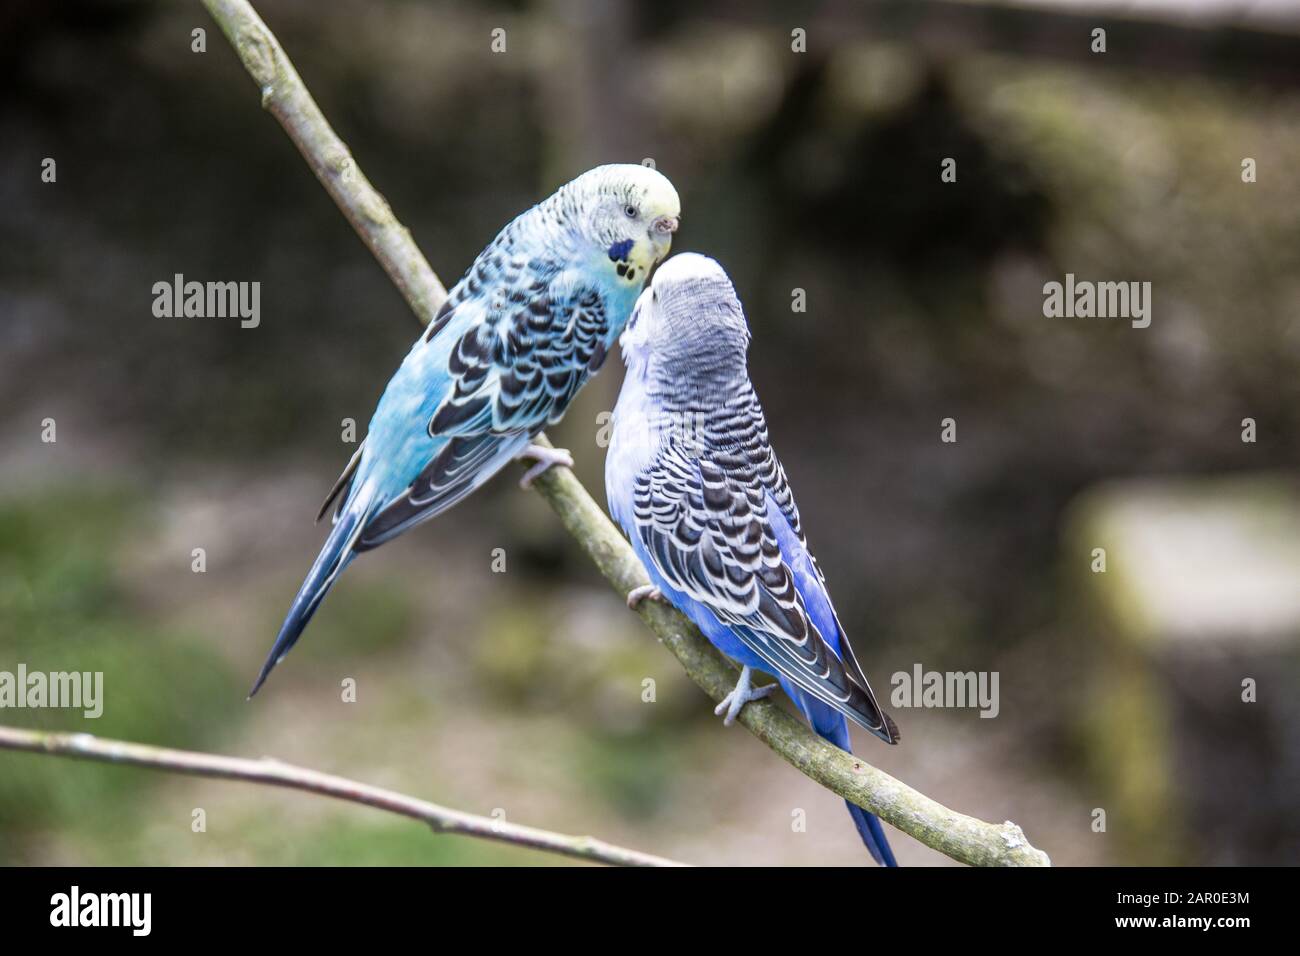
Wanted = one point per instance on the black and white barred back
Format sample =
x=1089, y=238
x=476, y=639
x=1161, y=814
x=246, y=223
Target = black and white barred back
x=701, y=510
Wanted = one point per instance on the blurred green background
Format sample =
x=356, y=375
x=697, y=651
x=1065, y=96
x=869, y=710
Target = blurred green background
x=521, y=692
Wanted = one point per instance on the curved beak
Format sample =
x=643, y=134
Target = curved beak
x=666, y=224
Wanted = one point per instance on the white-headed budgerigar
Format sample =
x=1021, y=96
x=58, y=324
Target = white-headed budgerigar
x=518, y=336
x=697, y=488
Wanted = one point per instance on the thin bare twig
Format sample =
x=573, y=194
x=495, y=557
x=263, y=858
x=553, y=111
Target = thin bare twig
x=276, y=774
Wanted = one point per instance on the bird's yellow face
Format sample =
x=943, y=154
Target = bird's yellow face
x=660, y=214
x=637, y=214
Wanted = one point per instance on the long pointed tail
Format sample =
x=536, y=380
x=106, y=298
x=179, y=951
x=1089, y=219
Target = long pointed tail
x=336, y=555
x=834, y=728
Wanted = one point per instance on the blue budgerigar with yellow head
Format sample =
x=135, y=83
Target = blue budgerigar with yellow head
x=697, y=487
x=519, y=335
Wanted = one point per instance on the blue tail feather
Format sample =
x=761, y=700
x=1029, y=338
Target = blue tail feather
x=336, y=555
x=873, y=835
x=833, y=728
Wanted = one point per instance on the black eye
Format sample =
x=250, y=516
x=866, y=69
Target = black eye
x=631, y=211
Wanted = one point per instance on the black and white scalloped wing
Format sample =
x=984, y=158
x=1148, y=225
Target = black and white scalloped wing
x=513, y=371
x=708, y=534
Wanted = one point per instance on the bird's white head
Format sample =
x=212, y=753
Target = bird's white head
x=690, y=315
x=629, y=212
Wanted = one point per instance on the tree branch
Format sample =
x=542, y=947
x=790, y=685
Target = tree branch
x=286, y=97
x=277, y=774
x=956, y=835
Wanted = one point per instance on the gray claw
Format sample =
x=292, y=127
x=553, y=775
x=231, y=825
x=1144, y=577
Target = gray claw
x=740, y=695
x=644, y=592
x=546, y=458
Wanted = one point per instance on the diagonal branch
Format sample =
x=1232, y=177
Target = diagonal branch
x=954, y=834
x=286, y=97
x=276, y=774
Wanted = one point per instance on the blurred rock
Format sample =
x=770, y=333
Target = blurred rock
x=1196, y=618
